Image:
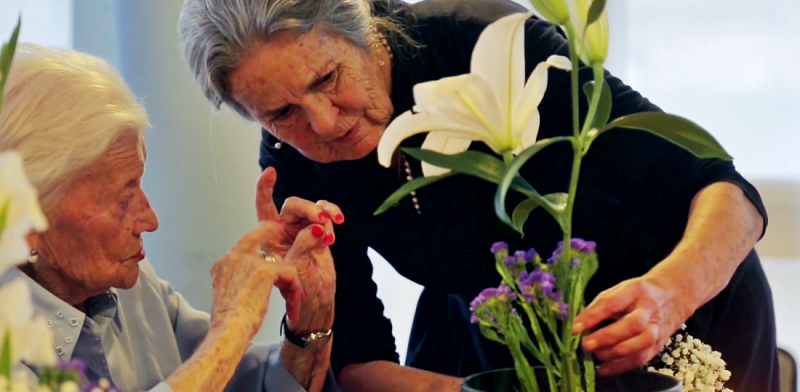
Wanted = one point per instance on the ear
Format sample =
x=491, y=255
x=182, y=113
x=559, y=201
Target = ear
x=33, y=240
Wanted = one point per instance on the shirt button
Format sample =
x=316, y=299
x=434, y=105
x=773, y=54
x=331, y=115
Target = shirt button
x=60, y=314
x=59, y=350
x=73, y=322
x=68, y=340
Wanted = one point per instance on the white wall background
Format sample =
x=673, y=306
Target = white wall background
x=730, y=65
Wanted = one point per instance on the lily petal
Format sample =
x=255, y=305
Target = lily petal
x=409, y=124
x=528, y=102
x=17, y=307
x=442, y=143
x=472, y=104
x=427, y=93
x=530, y=131
x=499, y=58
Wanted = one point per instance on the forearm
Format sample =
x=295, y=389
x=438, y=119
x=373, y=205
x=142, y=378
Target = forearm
x=308, y=366
x=382, y=376
x=214, y=362
x=723, y=228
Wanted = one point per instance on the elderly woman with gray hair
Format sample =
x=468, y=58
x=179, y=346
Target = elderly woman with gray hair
x=323, y=78
x=80, y=130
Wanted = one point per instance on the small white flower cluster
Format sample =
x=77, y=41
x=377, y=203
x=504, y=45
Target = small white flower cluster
x=694, y=364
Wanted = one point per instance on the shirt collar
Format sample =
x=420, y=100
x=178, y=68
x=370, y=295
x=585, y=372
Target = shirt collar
x=63, y=319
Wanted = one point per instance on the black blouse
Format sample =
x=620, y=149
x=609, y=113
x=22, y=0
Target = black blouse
x=633, y=199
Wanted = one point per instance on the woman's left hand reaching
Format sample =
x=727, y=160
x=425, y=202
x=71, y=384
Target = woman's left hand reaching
x=315, y=269
x=647, y=310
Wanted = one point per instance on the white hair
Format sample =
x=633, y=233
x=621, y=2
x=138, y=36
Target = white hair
x=62, y=109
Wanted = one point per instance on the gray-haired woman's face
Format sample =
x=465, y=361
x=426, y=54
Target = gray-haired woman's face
x=324, y=96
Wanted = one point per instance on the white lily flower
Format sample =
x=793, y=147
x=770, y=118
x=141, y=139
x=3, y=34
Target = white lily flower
x=591, y=43
x=24, y=213
x=31, y=339
x=492, y=103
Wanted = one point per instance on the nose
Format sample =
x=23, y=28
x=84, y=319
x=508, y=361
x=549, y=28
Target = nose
x=147, y=220
x=322, y=115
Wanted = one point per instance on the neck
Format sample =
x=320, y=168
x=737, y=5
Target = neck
x=59, y=285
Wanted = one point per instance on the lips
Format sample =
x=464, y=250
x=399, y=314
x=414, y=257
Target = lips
x=350, y=136
x=140, y=256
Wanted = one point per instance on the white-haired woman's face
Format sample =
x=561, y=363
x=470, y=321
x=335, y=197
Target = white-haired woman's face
x=94, y=241
x=318, y=92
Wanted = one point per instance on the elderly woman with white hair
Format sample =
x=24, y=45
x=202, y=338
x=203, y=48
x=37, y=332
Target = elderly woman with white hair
x=80, y=130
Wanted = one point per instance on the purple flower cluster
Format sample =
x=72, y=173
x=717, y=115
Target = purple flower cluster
x=542, y=285
x=516, y=260
x=576, y=245
x=488, y=300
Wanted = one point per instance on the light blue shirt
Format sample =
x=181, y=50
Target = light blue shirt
x=137, y=338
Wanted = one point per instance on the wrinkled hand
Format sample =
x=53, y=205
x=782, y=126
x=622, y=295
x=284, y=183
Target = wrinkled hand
x=243, y=281
x=315, y=268
x=648, y=311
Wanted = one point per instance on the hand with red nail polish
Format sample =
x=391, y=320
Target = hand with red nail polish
x=303, y=234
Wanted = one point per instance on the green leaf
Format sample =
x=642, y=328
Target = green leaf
x=589, y=265
x=676, y=129
x=4, y=215
x=490, y=334
x=5, y=355
x=473, y=163
x=604, y=106
x=595, y=10
x=558, y=201
x=588, y=371
x=6, y=55
x=513, y=172
x=407, y=188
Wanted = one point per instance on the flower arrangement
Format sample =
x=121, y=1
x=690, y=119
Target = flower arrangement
x=533, y=308
x=26, y=338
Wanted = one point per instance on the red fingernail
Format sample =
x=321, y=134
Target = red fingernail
x=339, y=218
x=329, y=238
x=322, y=216
x=317, y=231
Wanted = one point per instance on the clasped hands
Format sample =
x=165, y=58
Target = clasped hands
x=298, y=239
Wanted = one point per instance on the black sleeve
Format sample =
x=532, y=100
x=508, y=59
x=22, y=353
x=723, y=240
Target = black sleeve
x=361, y=332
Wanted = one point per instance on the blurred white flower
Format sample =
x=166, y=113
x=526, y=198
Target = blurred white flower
x=694, y=364
x=492, y=103
x=31, y=339
x=19, y=205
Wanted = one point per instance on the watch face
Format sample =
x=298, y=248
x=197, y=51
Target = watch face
x=318, y=338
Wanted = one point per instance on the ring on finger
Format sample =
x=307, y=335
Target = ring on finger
x=268, y=257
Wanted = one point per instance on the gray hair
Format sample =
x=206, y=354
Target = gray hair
x=215, y=34
x=61, y=112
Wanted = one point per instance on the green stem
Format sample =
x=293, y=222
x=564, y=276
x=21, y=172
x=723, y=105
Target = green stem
x=573, y=55
x=595, y=102
x=544, y=347
x=524, y=370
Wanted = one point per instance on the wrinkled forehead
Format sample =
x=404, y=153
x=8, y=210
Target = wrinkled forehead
x=284, y=65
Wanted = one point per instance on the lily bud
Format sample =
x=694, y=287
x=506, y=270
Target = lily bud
x=591, y=42
x=555, y=11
